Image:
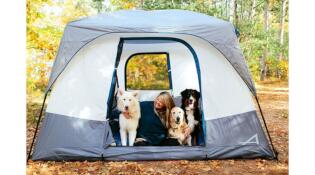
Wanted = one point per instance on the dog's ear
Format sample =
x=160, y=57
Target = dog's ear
x=183, y=93
x=136, y=94
x=120, y=92
x=182, y=112
x=198, y=94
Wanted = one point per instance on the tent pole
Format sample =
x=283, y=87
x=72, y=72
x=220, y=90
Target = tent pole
x=37, y=125
x=262, y=116
x=111, y=96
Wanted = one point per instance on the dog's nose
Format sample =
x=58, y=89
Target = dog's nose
x=177, y=119
x=126, y=108
x=190, y=100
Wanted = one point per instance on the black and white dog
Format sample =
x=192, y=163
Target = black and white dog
x=190, y=104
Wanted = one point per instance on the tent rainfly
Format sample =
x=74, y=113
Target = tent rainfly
x=203, y=54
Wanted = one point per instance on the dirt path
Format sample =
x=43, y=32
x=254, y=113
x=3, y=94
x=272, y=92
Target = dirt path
x=274, y=102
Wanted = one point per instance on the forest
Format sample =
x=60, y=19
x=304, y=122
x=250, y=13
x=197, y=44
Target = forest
x=262, y=27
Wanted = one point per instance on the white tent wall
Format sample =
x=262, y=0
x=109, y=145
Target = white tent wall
x=86, y=80
x=81, y=91
x=224, y=92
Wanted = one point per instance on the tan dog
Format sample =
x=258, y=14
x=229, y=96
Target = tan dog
x=178, y=126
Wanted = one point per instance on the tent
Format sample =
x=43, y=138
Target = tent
x=203, y=53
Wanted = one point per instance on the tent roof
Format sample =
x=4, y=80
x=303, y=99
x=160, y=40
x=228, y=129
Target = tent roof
x=156, y=20
x=219, y=33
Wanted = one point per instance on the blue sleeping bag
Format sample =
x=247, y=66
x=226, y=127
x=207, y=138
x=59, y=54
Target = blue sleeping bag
x=150, y=126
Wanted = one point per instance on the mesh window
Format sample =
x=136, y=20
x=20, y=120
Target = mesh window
x=147, y=72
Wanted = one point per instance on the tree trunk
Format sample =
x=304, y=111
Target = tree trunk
x=263, y=67
x=141, y=3
x=263, y=70
x=266, y=16
x=221, y=7
x=242, y=7
x=214, y=4
x=232, y=11
x=281, y=32
x=235, y=13
x=226, y=9
x=252, y=12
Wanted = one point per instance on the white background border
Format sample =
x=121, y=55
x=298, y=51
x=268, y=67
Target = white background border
x=13, y=99
x=302, y=86
x=13, y=87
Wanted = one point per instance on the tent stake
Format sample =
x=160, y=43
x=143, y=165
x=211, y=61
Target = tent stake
x=262, y=116
x=37, y=125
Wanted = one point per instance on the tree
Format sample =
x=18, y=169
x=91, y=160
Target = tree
x=46, y=20
x=252, y=11
x=41, y=44
x=263, y=58
x=282, y=21
x=98, y=5
x=235, y=13
x=232, y=10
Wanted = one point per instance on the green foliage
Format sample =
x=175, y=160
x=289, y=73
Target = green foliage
x=253, y=38
x=283, y=66
x=46, y=20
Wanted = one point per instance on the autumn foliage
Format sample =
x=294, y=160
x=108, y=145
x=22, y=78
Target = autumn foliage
x=46, y=20
x=147, y=71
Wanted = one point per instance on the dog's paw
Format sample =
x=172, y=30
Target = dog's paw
x=196, y=122
x=113, y=144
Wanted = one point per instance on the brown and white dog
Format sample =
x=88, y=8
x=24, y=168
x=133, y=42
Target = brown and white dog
x=178, y=126
x=190, y=104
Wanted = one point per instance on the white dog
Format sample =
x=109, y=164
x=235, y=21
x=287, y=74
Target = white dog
x=191, y=119
x=178, y=126
x=129, y=106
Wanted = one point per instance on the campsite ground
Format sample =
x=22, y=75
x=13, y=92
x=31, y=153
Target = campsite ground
x=274, y=102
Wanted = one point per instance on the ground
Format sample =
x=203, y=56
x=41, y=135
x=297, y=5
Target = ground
x=273, y=98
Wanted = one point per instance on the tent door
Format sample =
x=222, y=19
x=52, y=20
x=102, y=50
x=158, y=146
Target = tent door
x=132, y=45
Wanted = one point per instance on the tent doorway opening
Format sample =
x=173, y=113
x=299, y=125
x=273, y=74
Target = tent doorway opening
x=151, y=66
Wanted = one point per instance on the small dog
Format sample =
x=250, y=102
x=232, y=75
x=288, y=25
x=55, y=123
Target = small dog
x=128, y=103
x=178, y=126
x=190, y=100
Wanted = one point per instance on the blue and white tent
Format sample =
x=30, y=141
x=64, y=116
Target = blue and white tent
x=203, y=54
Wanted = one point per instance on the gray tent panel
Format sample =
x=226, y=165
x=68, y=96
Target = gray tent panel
x=219, y=33
x=67, y=138
x=237, y=129
x=240, y=151
x=64, y=138
x=237, y=135
x=180, y=153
